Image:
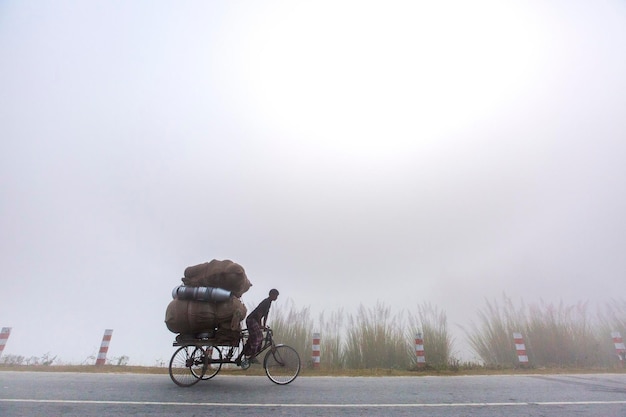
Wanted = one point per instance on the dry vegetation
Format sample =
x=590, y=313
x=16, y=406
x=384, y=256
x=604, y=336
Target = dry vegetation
x=376, y=341
x=556, y=336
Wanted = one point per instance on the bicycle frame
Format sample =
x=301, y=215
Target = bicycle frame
x=268, y=342
x=202, y=359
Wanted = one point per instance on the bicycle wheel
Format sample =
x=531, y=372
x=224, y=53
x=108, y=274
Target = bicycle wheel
x=213, y=362
x=187, y=365
x=282, y=364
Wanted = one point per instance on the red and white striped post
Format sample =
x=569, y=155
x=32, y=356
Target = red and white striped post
x=620, y=349
x=4, y=336
x=520, y=348
x=419, y=350
x=316, y=350
x=104, y=347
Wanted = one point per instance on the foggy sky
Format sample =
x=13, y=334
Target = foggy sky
x=343, y=152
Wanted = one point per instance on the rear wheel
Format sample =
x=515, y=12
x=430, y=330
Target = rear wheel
x=187, y=365
x=282, y=364
x=213, y=362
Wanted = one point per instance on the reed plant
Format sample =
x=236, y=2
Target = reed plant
x=492, y=337
x=432, y=324
x=375, y=339
x=561, y=335
x=556, y=335
x=292, y=326
x=611, y=318
x=332, y=331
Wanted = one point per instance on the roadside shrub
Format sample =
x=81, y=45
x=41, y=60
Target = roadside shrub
x=560, y=335
x=12, y=360
x=292, y=326
x=332, y=348
x=492, y=337
x=555, y=335
x=375, y=339
x=432, y=323
x=612, y=318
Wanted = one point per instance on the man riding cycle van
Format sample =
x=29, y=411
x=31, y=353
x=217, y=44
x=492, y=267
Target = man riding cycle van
x=256, y=322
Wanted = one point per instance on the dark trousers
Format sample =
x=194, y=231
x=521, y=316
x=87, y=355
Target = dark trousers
x=255, y=337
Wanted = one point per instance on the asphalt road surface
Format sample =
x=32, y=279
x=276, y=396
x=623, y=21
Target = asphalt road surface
x=81, y=394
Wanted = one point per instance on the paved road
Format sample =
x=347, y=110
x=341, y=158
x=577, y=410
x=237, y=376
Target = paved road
x=80, y=394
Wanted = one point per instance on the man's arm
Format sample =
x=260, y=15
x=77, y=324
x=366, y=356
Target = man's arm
x=264, y=320
x=266, y=311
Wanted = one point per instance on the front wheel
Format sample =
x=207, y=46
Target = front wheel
x=282, y=364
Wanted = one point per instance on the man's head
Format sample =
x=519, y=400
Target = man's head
x=274, y=294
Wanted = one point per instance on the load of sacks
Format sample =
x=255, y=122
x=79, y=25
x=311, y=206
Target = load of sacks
x=209, y=302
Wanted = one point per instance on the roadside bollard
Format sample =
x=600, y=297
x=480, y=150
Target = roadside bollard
x=620, y=349
x=4, y=336
x=316, y=350
x=419, y=351
x=520, y=348
x=104, y=347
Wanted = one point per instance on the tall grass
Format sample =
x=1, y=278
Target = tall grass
x=556, y=335
x=331, y=331
x=492, y=337
x=611, y=319
x=375, y=339
x=560, y=335
x=292, y=326
x=432, y=323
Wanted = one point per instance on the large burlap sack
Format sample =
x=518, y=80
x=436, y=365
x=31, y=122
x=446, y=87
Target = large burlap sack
x=185, y=316
x=225, y=336
x=224, y=274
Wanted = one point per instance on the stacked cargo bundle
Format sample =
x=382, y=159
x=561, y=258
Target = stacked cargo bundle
x=209, y=302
